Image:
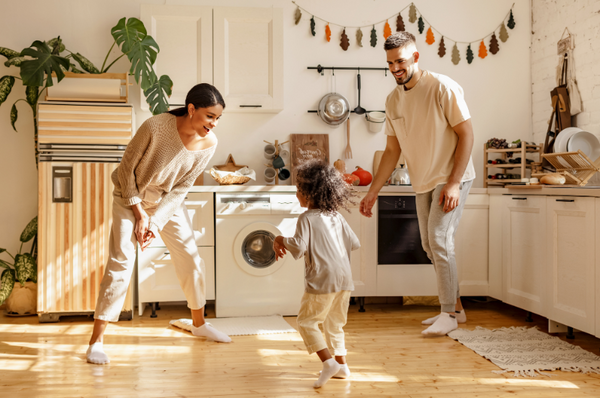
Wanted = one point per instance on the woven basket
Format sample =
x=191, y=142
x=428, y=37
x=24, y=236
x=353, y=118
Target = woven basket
x=229, y=179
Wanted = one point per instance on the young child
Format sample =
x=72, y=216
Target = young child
x=325, y=240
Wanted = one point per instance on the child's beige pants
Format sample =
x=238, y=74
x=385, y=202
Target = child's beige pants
x=178, y=236
x=330, y=309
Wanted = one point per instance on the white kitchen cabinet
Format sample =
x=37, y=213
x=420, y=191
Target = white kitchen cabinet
x=597, y=244
x=471, y=246
x=523, y=249
x=496, y=286
x=239, y=50
x=570, y=261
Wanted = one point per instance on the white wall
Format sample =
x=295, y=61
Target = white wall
x=497, y=88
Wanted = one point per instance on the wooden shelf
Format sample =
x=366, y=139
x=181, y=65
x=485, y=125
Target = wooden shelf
x=508, y=180
x=528, y=149
x=507, y=166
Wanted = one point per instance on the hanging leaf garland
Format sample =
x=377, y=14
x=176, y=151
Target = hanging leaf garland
x=399, y=24
x=494, y=48
x=421, y=25
x=344, y=43
x=373, y=37
x=387, y=30
x=503, y=33
x=312, y=26
x=455, y=55
x=359, y=36
x=327, y=33
x=297, y=16
x=442, y=49
x=470, y=55
x=412, y=13
x=430, y=39
x=511, y=20
x=482, y=50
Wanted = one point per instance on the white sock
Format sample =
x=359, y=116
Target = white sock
x=343, y=373
x=442, y=326
x=95, y=354
x=210, y=332
x=461, y=317
x=330, y=368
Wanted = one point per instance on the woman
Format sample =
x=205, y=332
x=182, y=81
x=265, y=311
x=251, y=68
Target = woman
x=161, y=163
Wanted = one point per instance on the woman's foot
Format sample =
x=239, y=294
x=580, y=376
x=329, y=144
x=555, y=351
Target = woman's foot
x=210, y=332
x=95, y=354
x=330, y=369
x=461, y=317
x=442, y=326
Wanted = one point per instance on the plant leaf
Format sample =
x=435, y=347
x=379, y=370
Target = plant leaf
x=511, y=21
x=297, y=16
x=85, y=63
x=15, y=61
x=128, y=33
x=33, y=72
x=6, y=85
x=455, y=55
x=142, y=57
x=57, y=45
x=503, y=33
x=25, y=267
x=14, y=115
x=5, y=264
x=7, y=282
x=8, y=53
x=470, y=56
x=30, y=230
x=157, y=94
x=312, y=26
x=373, y=37
x=359, y=36
x=31, y=96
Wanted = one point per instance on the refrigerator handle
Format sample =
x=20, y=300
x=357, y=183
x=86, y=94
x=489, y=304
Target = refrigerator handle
x=62, y=184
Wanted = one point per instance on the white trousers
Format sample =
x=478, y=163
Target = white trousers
x=177, y=234
x=330, y=309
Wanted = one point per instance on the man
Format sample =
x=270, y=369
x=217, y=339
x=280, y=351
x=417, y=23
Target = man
x=427, y=120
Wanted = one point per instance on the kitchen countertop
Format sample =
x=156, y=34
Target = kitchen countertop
x=548, y=190
x=291, y=188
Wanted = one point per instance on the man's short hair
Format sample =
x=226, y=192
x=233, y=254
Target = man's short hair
x=399, y=39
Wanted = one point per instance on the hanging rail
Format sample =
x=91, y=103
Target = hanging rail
x=320, y=68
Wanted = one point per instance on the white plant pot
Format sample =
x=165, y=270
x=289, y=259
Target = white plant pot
x=22, y=299
x=104, y=87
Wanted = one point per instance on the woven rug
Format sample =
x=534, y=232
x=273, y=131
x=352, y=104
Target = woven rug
x=526, y=351
x=242, y=326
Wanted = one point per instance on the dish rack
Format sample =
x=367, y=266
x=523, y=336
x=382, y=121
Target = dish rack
x=575, y=166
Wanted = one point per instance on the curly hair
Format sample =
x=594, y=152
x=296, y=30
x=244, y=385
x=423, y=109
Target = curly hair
x=324, y=187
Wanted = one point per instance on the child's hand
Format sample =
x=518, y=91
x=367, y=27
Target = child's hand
x=279, y=247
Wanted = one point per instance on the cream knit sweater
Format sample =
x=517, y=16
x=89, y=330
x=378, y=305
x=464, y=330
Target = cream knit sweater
x=157, y=161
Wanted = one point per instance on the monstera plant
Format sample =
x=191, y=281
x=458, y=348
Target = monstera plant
x=41, y=60
x=22, y=267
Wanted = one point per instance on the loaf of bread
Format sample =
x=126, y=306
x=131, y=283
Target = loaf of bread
x=553, y=179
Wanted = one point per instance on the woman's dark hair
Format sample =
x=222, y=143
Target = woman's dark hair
x=202, y=95
x=323, y=186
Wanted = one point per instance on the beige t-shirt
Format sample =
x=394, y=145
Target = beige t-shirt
x=422, y=119
x=325, y=241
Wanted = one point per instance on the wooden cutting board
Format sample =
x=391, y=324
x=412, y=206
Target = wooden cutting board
x=305, y=147
x=377, y=160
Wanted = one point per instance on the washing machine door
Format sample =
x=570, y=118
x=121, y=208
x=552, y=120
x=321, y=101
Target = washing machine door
x=253, y=249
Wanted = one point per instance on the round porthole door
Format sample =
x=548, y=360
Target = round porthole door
x=253, y=249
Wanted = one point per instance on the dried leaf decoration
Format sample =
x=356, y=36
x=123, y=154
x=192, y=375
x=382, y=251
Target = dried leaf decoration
x=344, y=42
x=373, y=37
x=412, y=13
x=455, y=55
x=312, y=26
x=297, y=16
x=503, y=33
x=494, y=44
x=430, y=39
x=442, y=49
x=399, y=24
x=327, y=32
x=421, y=25
x=387, y=30
x=511, y=21
x=359, y=36
x=470, y=56
x=482, y=50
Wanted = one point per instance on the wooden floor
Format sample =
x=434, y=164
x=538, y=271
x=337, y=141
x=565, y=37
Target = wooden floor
x=386, y=353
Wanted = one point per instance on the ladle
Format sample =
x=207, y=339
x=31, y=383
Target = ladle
x=359, y=110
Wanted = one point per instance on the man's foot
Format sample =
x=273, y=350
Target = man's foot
x=343, y=373
x=461, y=317
x=330, y=368
x=442, y=326
x=95, y=354
x=210, y=332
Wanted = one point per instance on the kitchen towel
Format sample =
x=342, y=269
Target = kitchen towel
x=526, y=351
x=243, y=326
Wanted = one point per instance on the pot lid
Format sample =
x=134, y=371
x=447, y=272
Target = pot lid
x=334, y=109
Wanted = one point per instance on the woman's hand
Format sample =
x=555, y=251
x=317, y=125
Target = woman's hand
x=279, y=247
x=143, y=235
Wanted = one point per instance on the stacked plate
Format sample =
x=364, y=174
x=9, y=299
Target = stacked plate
x=573, y=139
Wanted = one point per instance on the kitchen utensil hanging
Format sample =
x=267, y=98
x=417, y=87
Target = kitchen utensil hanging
x=359, y=110
x=334, y=108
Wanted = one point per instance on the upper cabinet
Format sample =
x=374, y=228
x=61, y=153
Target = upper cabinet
x=238, y=50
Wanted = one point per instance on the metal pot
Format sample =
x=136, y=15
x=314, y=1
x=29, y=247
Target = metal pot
x=400, y=176
x=334, y=109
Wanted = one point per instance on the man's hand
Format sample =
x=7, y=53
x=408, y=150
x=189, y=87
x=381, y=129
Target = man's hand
x=366, y=205
x=449, y=196
x=279, y=247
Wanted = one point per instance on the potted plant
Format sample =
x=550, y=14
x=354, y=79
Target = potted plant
x=40, y=61
x=19, y=277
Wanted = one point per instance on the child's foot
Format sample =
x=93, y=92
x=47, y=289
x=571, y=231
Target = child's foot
x=461, y=317
x=442, y=326
x=343, y=373
x=95, y=354
x=330, y=368
x=210, y=332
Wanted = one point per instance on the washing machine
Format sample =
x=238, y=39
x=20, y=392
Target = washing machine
x=249, y=280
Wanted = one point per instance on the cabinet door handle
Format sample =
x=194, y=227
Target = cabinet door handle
x=565, y=200
x=519, y=198
x=250, y=106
